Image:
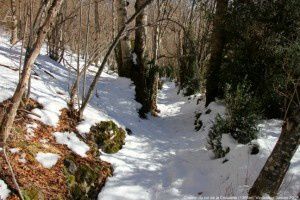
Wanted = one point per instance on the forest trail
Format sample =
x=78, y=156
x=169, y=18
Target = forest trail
x=164, y=158
x=157, y=161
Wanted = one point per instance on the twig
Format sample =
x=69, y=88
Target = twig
x=12, y=172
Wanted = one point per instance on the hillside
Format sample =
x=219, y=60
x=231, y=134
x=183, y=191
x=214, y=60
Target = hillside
x=163, y=157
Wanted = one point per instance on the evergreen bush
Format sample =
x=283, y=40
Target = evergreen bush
x=253, y=30
x=215, y=137
x=240, y=120
x=242, y=113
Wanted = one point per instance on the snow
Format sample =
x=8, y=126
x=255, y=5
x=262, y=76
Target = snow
x=4, y=191
x=22, y=159
x=14, y=150
x=164, y=158
x=47, y=160
x=30, y=130
x=73, y=142
x=45, y=88
x=134, y=58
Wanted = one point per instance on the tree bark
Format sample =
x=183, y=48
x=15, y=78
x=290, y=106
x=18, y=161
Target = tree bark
x=140, y=67
x=86, y=48
x=156, y=46
x=217, y=46
x=7, y=121
x=74, y=90
x=123, y=49
x=275, y=168
x=14, y=29
x=110, y=49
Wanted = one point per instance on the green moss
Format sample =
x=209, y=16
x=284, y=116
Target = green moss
x=84, y=178
x=108, y=136
x=86, y=174
x=32, y=193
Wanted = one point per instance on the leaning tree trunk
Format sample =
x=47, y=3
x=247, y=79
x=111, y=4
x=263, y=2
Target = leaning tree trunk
x=140, y=67
x=14, y=28
x=7, y=121
x=274, y=170
x=122, y=51
x=217, y=46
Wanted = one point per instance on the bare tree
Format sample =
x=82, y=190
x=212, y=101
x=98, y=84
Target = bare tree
x=155, y=51
x=87, y=35
x=109, y=51
x=7, y=121
x=14, y=29
x=140, y=65
x=122, y=50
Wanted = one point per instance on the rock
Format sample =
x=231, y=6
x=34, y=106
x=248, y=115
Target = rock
x=70, y=165
x=199, y=125
x=85, y=178
x=208, y=111
x=108, y=136
x=225, y=160
x=129, y=131
x=254, y=149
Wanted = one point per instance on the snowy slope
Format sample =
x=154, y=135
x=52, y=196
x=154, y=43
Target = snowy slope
x=164, y=158
x=167, y=159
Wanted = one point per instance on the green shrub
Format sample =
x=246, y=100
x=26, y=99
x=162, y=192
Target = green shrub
x=253, y=31
x=215, y=137
x=240, y=119
x=241, y=116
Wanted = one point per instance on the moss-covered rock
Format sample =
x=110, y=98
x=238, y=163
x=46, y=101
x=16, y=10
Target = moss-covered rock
x=85, y=178
x=108, y=136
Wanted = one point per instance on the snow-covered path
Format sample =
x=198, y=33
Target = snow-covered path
x=165, y=159
x=155, y=163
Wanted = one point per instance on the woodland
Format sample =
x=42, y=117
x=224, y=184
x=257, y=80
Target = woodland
x=149, y=99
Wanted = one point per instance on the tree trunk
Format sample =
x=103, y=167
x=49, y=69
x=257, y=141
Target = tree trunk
x=74, y=90
x=156, y=46
x=110, y=49
x=7, y=121
x=275, y=168
x=86, y=48
x=140, y=67
x=14, y=28
x=123, y=55
x=217, y=46
x=97, y=26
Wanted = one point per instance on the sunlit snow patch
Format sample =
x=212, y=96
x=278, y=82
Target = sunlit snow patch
x=48, y=160
x=73, y=142
x=4, y=191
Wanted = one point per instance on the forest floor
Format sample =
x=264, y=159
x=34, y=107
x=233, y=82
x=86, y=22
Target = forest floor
x=164, y=157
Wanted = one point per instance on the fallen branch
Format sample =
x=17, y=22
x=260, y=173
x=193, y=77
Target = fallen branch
x=31, y=113
x=49, y=74
x=12, y=173
x=9, y=67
